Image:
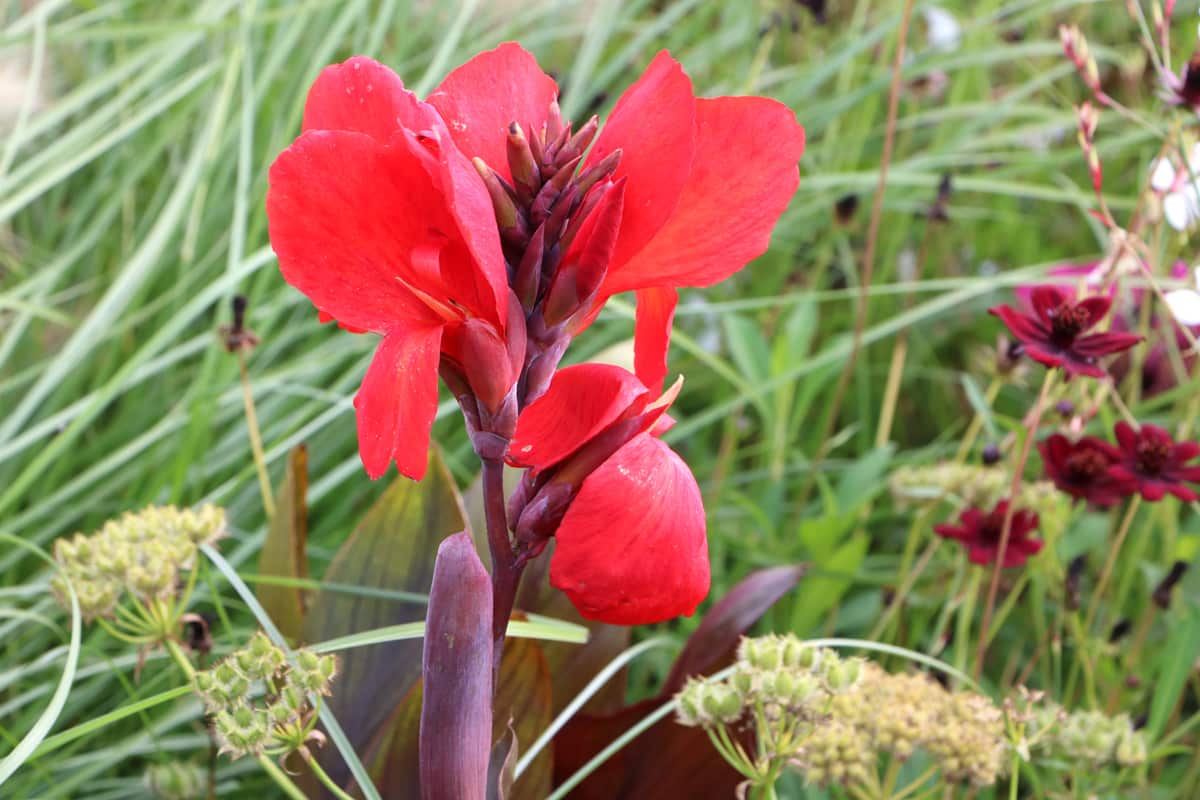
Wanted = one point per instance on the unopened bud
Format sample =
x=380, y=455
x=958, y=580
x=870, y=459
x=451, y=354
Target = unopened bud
x=527, y=178
x=1162, y=592
x=577, y=144
x=722, y=702
x=509, y=219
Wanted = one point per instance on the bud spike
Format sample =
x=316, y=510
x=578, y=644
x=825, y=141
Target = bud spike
x=527, y=178
x=513, y=227
x=601, y=170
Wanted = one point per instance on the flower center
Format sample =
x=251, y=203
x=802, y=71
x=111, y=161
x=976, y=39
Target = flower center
x=1067, y=320
x=991, y=528
x=1152, y=455
x=1084, y=465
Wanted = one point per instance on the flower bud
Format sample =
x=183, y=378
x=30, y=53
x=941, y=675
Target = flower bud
x=722, y=702
x=175, y=780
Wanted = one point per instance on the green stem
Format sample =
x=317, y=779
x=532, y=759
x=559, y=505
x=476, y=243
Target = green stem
x=1006, y=530
x=1111, y=561
x=180, y=658
x=327, y=781
x=280, y=777
x=256, y=445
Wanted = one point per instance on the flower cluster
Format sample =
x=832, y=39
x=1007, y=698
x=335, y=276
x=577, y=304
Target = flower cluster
x=142, y=553
x=1089, y=739
x=969, y=484
x=1146, y=460
x=786, y=687
x=476, y=232
x=260, y=703
x=175, y=780
x=962, y=732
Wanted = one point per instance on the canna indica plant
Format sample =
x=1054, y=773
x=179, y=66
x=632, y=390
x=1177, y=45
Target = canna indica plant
x=477, y=233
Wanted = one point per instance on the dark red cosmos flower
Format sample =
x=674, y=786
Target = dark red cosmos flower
x=1080, y=468
x=1152, y=463
x=1055, y=332
x=980, y=534
x=624, y=509
x=704, y=179
x=381, y=220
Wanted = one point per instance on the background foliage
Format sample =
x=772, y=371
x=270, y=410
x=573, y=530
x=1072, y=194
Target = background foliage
x=131, y=186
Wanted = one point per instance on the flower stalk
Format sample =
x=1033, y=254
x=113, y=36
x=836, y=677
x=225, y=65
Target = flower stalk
x=1006, y=531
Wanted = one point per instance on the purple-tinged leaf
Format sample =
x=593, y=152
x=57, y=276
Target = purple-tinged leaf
x=725, y=623
x=283, y=551
x=523, y=695
x=392, y=548
x=668, y=759
x=456, y=670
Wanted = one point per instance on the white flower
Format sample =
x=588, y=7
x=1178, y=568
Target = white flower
x=1181, y=208
x=1180, y=188
x=1162, y=176
x=1185, y=303
x=942, y=30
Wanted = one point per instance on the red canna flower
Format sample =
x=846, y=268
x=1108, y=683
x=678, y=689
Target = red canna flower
x=624, y=509
x=1055, y=332
x=1152, y=463
x=703, y=180
x=980, y=532
x=1080, y=468
x=378, y=217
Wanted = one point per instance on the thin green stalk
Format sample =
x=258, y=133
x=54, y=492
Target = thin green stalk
x=281, y=778
x=1113, y=551
x=256, y=446
x=1018, y=473
x=327, y=781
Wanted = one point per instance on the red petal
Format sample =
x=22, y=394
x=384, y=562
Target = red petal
x=1097, y=307
x=1074, y=364
x=582, y=401
x=1042, y=355
x=1126, y=436
x=631, y=549
x=350, y=219
x=365, y=96
x=742, y=176
x=1101, y=344
x=1185, y=451
x=376, y=233
x=1045, y=299
x=654, y=125
x=652, y=337
x=1024, y=327
x=1182, y=492
x=481, y=98
x=398, y=400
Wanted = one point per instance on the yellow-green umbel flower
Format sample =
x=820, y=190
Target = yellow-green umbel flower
x=140, y=553
x=260, y=702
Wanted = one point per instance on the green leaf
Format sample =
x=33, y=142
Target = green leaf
x=1178, y=659
x=864, y=479
x=283, y=551
x=827, y=581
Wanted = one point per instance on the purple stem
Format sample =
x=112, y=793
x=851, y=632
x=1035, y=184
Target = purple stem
x=506, y=572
